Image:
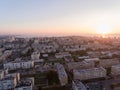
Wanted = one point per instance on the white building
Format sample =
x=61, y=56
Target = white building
x=13, y=82
x=115, y=69
x=73, y=49
x=86, y=74
x=83, y=57
x=19, y=64
x=62, y=54
x=35, y=56
x=92, y=59
x=78, y=85
x=62, y=74
x=9, y=81
x=45, y=55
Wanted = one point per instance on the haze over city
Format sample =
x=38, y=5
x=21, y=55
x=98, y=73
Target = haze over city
x=59, y=17
x=59, y=45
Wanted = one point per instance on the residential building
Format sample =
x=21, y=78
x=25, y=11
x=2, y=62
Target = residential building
x=80, y=65
x=35, y=55
x=115, y=69
x=9, y=82
x=108, y=62
x=19, y=64
x=63, y=78
x=62, y=54
x=78, y=85
x=86, y=74
x=24, y=84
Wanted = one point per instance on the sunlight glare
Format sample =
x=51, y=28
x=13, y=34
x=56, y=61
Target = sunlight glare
x=103, y=29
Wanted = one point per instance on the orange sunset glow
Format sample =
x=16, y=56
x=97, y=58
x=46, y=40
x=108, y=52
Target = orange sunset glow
x=59, y=17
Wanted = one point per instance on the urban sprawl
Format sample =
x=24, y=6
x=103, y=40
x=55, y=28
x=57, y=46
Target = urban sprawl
x=60, y=63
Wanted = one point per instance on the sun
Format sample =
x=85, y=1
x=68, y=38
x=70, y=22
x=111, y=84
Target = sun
x=103, y=29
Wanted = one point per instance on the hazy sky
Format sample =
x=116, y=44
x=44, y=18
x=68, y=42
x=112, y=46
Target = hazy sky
x=59, y=16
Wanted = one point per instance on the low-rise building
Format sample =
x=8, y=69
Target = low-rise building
x=92, y=59
x=45, y=55
x=62, y=54
x=83, y=57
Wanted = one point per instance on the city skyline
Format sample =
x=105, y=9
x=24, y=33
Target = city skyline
x=64, y=17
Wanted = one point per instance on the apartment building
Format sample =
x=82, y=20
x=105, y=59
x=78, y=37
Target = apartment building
x=86, y=74
x=63, y=78
x=19, y=64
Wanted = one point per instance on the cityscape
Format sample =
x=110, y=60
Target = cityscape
x=44, y=63
x=59, y=45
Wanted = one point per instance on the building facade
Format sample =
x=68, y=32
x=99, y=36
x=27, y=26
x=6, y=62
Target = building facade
x=86, y=74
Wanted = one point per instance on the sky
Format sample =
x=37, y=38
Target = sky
x=59, y=17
